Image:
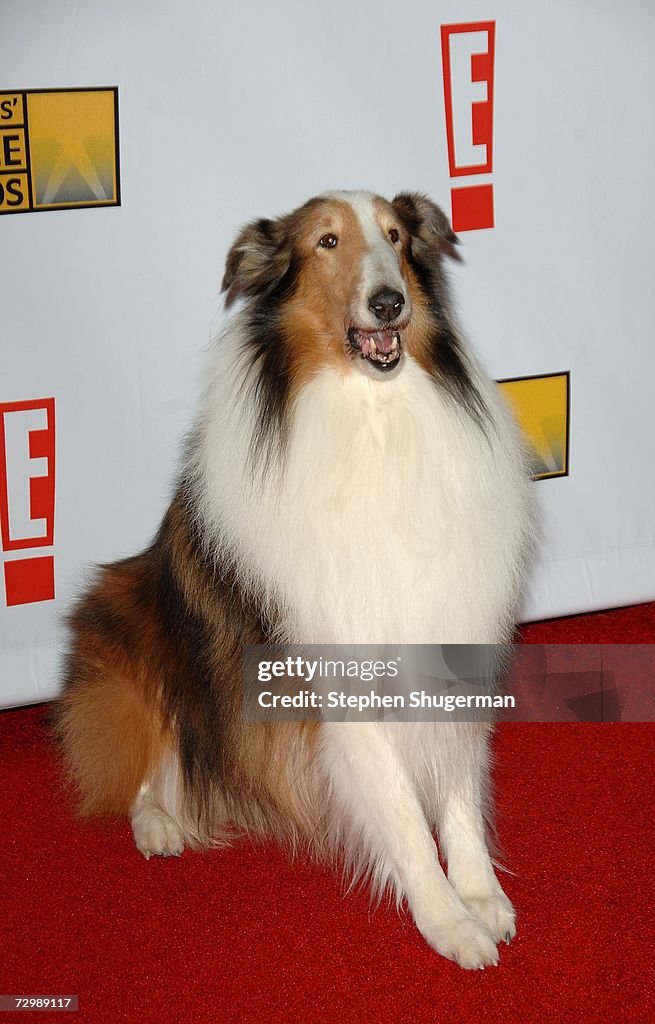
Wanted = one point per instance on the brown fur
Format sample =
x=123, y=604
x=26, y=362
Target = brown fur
x=319, y=313
x=154, y=668
x=108, y=724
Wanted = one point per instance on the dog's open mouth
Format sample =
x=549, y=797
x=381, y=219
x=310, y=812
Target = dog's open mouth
x=381, y=348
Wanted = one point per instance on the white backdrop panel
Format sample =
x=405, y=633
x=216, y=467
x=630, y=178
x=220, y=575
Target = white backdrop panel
x=230, y=111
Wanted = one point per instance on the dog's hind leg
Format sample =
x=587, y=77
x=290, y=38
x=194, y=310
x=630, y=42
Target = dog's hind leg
x=379, y=817
x=155, y=832
x=462, y=799
x=157, y=814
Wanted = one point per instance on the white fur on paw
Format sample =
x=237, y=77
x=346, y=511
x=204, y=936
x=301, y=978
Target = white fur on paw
x=466, y=941
x=497, y=914
x=155, y=834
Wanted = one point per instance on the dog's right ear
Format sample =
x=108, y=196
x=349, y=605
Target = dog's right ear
x=257, y=261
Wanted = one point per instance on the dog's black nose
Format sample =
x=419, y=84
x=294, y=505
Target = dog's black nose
x=386, y=304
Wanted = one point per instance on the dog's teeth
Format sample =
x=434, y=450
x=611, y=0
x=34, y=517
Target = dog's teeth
x=394, y=342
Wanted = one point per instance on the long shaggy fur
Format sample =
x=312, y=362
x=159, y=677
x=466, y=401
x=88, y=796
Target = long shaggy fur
x=321, y=501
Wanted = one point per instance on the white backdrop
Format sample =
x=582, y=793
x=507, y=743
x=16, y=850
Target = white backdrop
x=230, y=111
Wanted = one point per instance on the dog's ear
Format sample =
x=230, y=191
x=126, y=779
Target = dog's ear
x=426, y=222
x=257, y=261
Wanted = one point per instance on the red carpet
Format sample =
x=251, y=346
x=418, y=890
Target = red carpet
x=634, y=625
x=242, y=935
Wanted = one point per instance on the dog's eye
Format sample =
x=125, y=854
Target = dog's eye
x=394, y=235
x=328, y=241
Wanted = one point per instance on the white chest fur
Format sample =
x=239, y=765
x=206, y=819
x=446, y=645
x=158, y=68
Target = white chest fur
x=393, y=519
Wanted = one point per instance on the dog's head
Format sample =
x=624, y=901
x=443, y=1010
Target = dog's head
x=348, y=279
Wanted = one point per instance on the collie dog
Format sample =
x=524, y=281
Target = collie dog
x=352, y=477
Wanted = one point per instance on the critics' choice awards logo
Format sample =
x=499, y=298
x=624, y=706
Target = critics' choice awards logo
x=58, y=149
x=541, y=405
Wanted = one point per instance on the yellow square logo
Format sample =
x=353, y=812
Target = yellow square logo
x=541, y=406
x=58, y=149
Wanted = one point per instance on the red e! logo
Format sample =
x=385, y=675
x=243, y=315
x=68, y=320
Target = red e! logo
x=467, y=53
x=27, y=497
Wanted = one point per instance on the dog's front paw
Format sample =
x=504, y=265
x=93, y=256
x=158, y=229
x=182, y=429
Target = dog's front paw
x=464, y=940
x=496, y=913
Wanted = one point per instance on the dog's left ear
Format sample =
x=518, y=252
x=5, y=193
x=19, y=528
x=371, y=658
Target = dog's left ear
x=257, y=261
x=426, y=222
